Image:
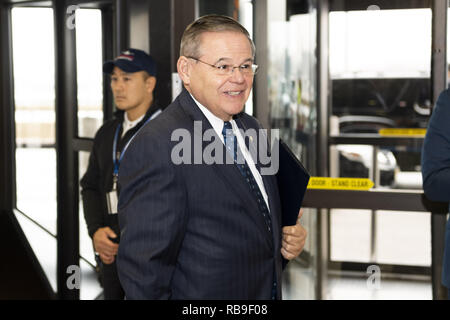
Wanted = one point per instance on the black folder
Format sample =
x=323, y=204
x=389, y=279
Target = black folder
x=292, y=179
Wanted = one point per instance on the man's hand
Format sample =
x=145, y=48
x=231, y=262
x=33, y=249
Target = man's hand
x=294, y=238
x=104, y=246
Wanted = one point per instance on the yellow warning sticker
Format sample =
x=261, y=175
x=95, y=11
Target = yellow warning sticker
x=419, y=132
x=360, y=184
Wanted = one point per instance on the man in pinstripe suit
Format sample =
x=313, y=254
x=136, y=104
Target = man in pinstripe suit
x=196, y=230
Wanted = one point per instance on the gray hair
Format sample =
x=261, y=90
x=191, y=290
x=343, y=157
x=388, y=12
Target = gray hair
x=190, y=41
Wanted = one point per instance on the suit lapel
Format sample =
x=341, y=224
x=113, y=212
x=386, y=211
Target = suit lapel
x=228, y=172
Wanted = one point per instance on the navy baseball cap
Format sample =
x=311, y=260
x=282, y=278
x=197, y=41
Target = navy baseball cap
x=132, y=60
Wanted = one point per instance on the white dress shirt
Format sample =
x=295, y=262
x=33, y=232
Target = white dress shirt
x=217, y=125
x=128, y=124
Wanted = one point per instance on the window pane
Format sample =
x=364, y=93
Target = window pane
x=43, y=246
x=90, y=285
x=36, y=185
x=34, y=86
x=35, y=114
x=380, y=44
x=89, y=71
x=86, y=248
x=403, y=238
x=350, y=235
x=380, y=68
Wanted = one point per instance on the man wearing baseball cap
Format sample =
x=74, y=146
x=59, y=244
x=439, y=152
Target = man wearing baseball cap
x=133, y=79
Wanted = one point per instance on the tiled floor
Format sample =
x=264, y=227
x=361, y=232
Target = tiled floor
x=298, y=284
x=350, y=288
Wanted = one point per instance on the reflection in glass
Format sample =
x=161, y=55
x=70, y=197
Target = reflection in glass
x=380, y=78
x=292, y=91
x=380, y=65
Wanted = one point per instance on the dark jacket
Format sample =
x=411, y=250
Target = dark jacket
x=436, y=166
x=193, y=231
x=98, y=179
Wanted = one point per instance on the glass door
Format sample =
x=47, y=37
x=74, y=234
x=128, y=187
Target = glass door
x=380, y=77
x=291, y=76
x=34, y=103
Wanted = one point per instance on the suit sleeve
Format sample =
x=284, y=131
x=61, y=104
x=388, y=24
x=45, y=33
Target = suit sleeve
x=436, y=152
x=91, y=193
x=152, y=218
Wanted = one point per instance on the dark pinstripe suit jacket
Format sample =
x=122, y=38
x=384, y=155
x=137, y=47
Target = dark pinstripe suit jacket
x=192, y=231
x=436, y=166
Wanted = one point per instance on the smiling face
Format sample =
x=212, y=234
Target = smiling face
x=223, y=95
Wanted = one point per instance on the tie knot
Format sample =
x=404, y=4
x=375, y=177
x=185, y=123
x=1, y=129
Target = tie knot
x=227, y=126
x=229, y=139
x=227, y=131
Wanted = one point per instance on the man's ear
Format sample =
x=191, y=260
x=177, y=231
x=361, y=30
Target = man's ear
x=150, y=83
x=183, y=69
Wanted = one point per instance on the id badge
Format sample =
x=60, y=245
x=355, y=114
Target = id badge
x=111, y=197
x=112, y=201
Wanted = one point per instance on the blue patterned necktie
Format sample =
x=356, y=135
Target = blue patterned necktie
x=231, y=144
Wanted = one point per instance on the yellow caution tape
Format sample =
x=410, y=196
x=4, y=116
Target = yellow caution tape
x=403, y=132
x=360, y=184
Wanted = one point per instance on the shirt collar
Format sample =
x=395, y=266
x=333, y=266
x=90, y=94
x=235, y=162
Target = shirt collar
x=215, y=121
x=127, y=123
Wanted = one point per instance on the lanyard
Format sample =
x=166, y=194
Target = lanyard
x=116, y=138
